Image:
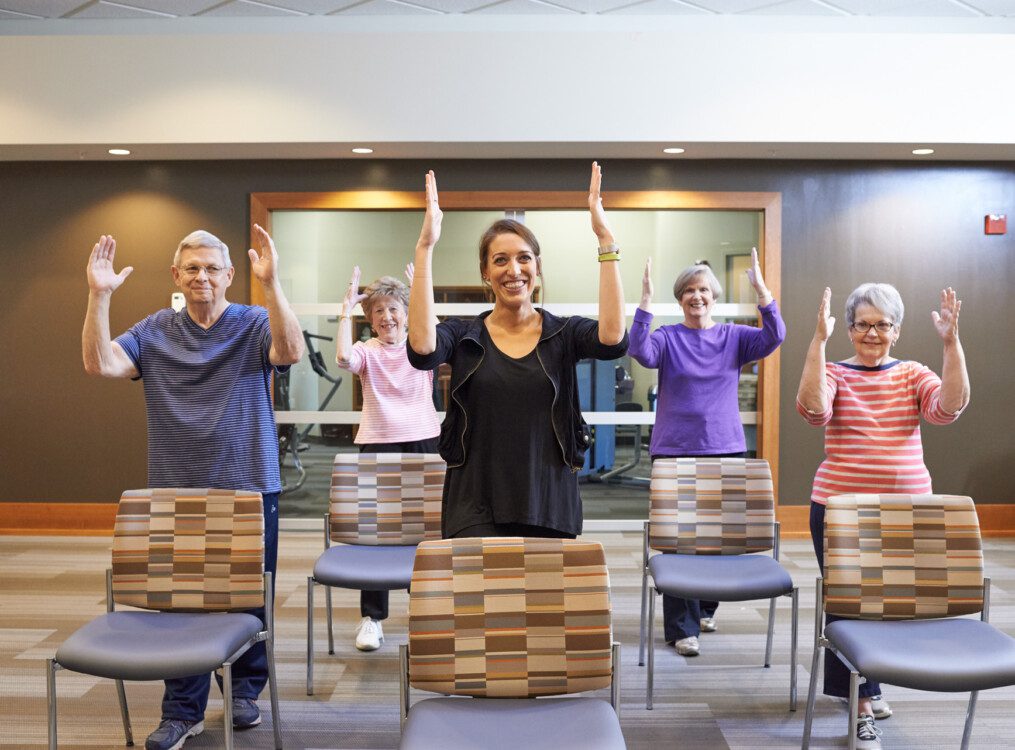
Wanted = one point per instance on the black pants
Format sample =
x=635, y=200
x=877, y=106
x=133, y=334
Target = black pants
x=682, y=617
x=374, y=604
x=836, y=674
x=510, y=529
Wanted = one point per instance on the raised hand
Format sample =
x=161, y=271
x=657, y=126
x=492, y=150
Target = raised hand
x=947, y=321
x=264, y=266
x=826, y=323
x=101, y=277
x=646, y=283
x=352, y=293
x=754, y=274
x=431, y=231
x=410, y=271
x=596, y=210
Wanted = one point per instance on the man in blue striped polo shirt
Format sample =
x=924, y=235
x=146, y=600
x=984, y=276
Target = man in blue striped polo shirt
x=206, y=372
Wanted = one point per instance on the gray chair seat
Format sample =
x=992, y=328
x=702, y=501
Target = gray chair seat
x=364, y=567
x=952, y=655
x=723, y=578
x=510, y=724
x=156, y=645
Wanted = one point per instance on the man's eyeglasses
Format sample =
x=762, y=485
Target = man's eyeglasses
x=882, y=326
x=193, y=271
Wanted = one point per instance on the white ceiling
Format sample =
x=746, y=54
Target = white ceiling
x=153, y=9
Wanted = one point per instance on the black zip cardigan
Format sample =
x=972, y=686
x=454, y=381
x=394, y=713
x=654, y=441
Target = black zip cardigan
x=563, y=342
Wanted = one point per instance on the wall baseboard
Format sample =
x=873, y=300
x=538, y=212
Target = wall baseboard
x=96, y=519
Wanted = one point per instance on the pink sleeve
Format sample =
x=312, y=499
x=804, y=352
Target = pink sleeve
x=357, y=359
x=928, y=394
x=831, y=388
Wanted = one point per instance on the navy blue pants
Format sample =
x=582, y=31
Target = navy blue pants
x=836, y=674
x=186, y=697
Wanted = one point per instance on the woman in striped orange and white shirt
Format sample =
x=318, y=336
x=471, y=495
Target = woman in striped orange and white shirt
x=871, y=405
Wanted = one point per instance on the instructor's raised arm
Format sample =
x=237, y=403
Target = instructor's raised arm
x=422, y=321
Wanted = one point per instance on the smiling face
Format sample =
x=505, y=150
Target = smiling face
x=697, y=300
x=388, y=317
x=203, y=277
x=511, y=269
x=872, y=348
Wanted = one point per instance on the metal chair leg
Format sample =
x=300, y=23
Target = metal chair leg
x=227, y=701
x=51, y=667
x=967, y=730
x=811, y=695
x=854, y=700
x=269, y=645
x=642, y=624
x=121, y=694
x=794, y=628
x=651, y=648
x=771, y=632
x=310, y=635
x=327, y=609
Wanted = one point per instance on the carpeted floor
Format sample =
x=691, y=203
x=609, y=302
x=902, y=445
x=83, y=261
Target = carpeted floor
x=722, y=699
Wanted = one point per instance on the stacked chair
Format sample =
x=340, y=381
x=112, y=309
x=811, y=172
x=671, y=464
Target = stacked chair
x=381, y=506
x=192, y=559
x=904, y=568
x=508, y=621
x=710, y=517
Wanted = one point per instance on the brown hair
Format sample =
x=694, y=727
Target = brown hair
x=509, y=226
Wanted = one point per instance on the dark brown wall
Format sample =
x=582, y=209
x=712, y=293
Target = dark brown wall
x=66, y=436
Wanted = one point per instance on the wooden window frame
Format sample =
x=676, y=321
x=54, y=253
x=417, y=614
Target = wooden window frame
x=768, y=204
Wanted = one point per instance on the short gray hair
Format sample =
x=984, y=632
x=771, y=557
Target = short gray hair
x=386, y=286
x=201, y=238
x=884, y=297
x=690, y=273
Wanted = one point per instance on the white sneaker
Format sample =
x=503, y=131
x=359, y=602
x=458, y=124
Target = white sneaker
x=708, y=625
x=369, y=635
x=880, y=707
x=687, y=646
x=868, y=736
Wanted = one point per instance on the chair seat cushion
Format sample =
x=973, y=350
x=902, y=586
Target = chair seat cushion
x=367, y=568
x=722, y=578
x=511, y=724
x=945, y=655
x=156, y=645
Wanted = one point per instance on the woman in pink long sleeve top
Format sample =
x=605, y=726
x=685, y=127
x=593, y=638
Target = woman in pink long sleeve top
x=398, y=411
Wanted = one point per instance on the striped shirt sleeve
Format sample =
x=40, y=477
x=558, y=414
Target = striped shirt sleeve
x=831, y=388
x=928, y=392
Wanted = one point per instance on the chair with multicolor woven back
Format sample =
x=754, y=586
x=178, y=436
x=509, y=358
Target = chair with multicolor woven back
x=194, y=560
x=381, y=506
x=904, y=568
x=710, y=517
x=507, y=620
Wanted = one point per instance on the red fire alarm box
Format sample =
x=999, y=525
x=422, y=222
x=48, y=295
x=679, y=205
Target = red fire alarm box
x=995, y=224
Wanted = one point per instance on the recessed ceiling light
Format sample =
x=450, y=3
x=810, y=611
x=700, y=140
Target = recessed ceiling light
x=362, y=150
x=673, y=150
x=922, y=151
x=119, y=152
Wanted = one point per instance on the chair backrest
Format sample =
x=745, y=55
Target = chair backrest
x=711, y=506
x=902, y=557
x=189, y=550
x=510, y=617
x=386, y=498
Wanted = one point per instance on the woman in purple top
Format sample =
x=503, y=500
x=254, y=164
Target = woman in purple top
x=699, y=363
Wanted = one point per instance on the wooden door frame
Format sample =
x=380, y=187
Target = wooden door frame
x=769, y=205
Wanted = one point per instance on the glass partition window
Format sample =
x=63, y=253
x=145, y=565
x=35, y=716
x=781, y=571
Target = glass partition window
x=318, y=404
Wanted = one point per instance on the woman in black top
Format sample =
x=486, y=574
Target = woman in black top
x=513, y=436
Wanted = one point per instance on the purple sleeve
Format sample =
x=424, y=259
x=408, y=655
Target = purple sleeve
x=758, y=343
x=645, y=347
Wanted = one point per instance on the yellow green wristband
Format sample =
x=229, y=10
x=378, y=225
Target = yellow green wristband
x=609, y=256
